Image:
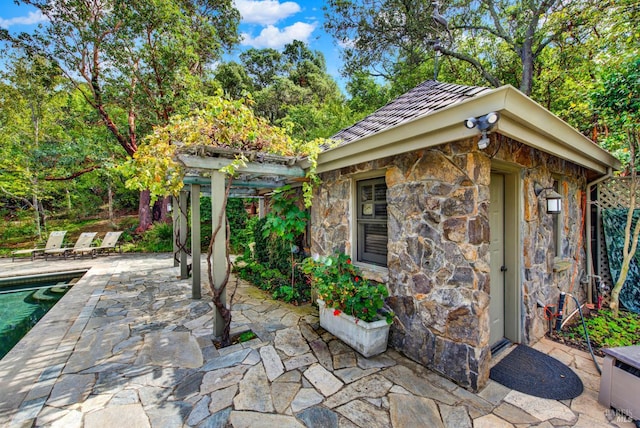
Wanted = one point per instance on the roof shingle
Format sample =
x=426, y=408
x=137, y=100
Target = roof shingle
x=422, y=100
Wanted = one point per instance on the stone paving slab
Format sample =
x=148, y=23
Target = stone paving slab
x=127, y=346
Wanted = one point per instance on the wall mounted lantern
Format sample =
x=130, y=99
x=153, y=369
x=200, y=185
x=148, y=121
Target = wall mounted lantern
x=484, y=124
x=554, y=199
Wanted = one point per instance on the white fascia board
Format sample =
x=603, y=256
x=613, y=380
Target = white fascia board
x=523, y=120
x=531, y=115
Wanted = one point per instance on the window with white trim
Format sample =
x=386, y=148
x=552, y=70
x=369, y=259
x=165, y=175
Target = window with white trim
x=372, y=221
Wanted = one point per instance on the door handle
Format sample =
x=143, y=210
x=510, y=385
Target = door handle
x=503, y=269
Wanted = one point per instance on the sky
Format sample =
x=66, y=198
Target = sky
x=264, y=24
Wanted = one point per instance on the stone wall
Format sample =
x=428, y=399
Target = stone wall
x=438, y=262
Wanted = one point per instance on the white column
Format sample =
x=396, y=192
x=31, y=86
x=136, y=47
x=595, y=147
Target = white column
x=195, y=242
x=175, y=209
x=261, y=212
x=184, y=273
x=219, y=255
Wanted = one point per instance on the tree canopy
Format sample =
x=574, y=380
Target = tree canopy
x=135, y=63
x=486, y=41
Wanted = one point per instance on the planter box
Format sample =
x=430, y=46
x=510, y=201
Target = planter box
x=368, y=338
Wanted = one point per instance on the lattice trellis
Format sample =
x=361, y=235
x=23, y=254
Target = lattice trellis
x=612, y=193
x=615, y=193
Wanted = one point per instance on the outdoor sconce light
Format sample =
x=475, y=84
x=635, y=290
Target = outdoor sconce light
x=554, y=199
x=484, y=124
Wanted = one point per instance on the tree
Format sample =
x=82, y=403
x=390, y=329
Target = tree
x=487, y=35
x=618, y=100
x=51, y=141
x=293, y=89
x=31, y=108
x=233, y=79
x=262, y=66
x=136, y=63
x=367, y=95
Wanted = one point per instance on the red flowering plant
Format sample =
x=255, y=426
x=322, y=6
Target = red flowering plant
x=341, y=286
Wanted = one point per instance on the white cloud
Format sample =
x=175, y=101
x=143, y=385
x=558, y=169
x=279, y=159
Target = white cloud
x=32, y=18
x=265, y=12
x=273, y=37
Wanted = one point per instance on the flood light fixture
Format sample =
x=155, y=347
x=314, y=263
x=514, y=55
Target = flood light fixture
x=484, y=124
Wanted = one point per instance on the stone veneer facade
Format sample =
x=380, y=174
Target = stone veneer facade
x=438, y=246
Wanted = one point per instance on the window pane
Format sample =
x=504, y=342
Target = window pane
x=381, y=192
x=372, y=221
x=366, y=193
x=375, y=239
x=381, y=210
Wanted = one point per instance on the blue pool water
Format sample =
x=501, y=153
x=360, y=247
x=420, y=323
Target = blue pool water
x=24, y=302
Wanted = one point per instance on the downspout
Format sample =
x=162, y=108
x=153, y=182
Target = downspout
x=590, y=185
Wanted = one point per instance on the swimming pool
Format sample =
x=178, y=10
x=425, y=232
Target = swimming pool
x=25, y=300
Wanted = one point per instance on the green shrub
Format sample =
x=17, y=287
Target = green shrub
x=278, y=238
x=18, y=229
x=286, y=293
x=605, y=331
x=158, y=239
x=237, y=218
x=262, y=244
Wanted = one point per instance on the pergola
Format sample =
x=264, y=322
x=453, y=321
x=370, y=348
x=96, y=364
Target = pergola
x=261, y=173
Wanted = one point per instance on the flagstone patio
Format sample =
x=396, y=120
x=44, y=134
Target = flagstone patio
x=127, y=346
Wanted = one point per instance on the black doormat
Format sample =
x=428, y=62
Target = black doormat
x=534, y=373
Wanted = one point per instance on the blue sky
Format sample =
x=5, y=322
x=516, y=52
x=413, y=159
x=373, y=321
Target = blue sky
x=265, y=24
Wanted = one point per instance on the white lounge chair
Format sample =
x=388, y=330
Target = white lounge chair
x=109, y=244
x=84, y=240
x=54, y=241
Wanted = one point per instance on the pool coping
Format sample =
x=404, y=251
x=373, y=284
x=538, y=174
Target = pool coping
x=42, y=277
x=27, y=378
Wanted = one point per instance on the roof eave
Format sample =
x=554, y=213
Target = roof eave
x=522, y=119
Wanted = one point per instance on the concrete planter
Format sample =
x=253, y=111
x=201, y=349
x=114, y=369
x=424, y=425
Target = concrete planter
x=368, y=338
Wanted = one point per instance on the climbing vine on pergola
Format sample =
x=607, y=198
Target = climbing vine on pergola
x=226, y=143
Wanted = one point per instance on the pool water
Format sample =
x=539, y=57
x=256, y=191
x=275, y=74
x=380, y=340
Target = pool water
x=22, y=307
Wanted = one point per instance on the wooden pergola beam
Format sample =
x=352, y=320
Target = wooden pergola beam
x=198, y=162
x=253, y=184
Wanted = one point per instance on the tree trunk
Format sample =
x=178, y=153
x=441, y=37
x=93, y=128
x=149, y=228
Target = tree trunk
x=161, y=210
x=36, y=210
x=165, y=215
x=68, y=194
x=144, y=211
x=110, y=197
x=526, y=55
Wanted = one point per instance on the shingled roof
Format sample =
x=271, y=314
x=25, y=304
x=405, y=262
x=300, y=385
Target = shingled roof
x=425, y=98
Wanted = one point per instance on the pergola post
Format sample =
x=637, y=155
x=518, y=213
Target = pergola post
x=219, y=255
x=261, y=213
x=182, y=203
x=176, y=224
x=195, y=242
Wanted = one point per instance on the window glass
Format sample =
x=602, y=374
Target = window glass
x=372, y=221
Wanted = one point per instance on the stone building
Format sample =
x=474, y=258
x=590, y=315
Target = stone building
x=453, y=218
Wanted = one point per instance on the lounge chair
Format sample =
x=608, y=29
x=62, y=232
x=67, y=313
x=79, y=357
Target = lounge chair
x=109, y=244
x=84, y=240
x=54, y=241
